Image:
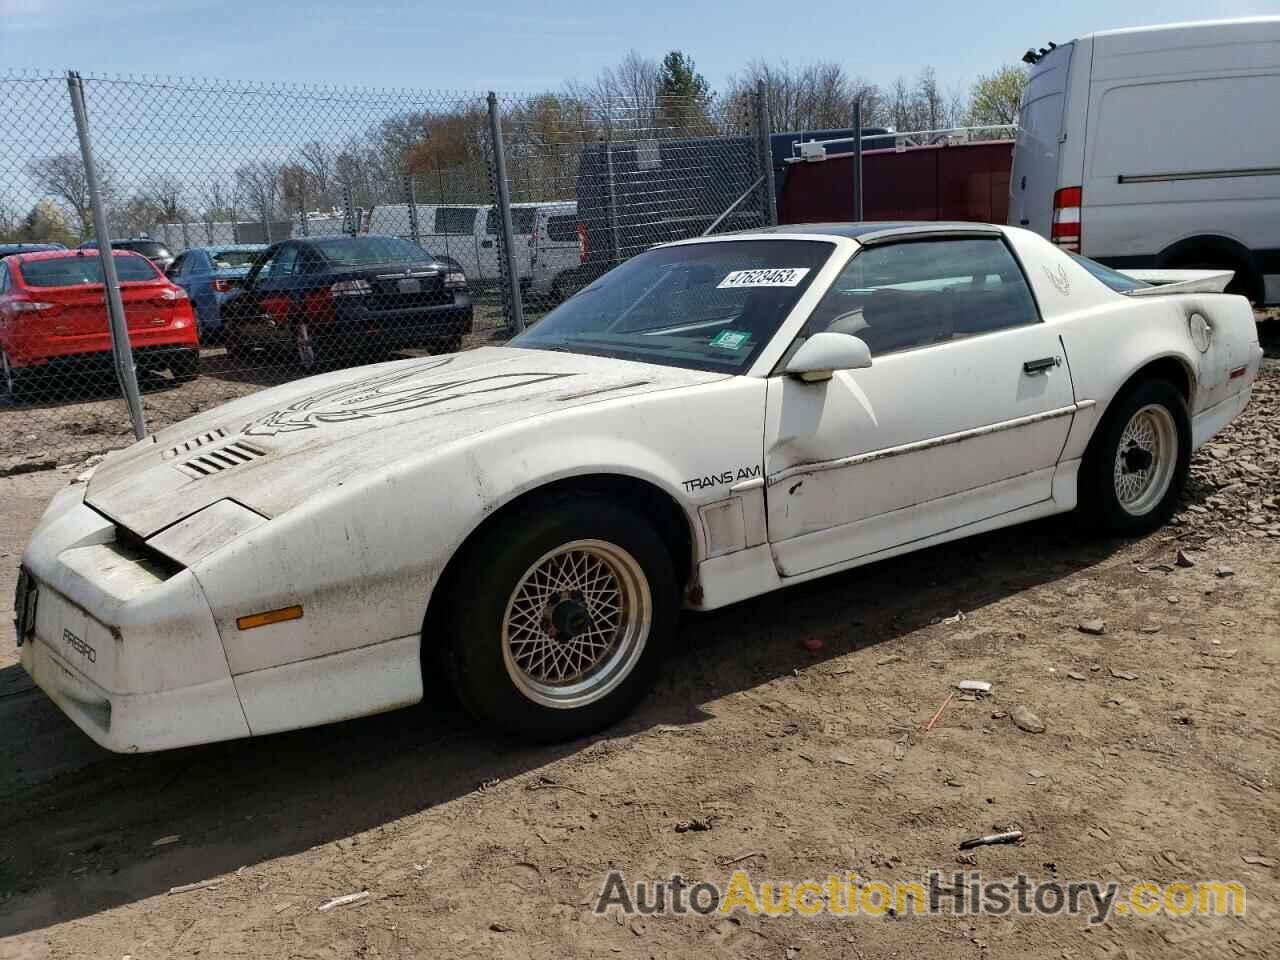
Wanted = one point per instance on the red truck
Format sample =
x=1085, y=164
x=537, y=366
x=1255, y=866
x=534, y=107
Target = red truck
x=967, y=181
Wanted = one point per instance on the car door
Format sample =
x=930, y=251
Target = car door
x=961, y=416
x=260, y=313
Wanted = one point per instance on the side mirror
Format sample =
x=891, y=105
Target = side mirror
x=824, y=353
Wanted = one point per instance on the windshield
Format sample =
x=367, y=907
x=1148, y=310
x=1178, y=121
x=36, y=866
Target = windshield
x=1114, y=279
x=72, y=271
x=235, y=259
x=370, y=251
x=709, y=306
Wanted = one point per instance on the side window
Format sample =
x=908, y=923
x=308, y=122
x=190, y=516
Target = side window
x=562, y=229
x=263, y=266
x=522, y=220
x=179, y=267
x=914, y=293
x=286, y=262
x=310, y=262
x=4, y=278
x=455, y=220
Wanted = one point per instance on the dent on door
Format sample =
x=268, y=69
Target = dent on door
x=920, y=443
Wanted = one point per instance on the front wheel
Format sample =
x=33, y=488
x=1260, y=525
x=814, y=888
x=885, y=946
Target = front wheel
x=560, y=618
x=1136, y=465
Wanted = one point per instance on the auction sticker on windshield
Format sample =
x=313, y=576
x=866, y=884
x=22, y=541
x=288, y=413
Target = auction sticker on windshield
x=768, y=277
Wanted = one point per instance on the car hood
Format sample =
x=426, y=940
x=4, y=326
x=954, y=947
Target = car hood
x=272, y=450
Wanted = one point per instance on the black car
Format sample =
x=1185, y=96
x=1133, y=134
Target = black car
x=153, y=250
x=324, y=297
x=9, y=249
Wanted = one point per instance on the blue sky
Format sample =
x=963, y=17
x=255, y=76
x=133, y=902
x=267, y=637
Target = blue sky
x=523, y=45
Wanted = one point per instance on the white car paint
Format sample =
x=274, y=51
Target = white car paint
x=1160, y=128
x=348, y=493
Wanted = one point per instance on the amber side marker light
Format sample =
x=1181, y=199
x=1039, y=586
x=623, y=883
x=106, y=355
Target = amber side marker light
x=271, y=616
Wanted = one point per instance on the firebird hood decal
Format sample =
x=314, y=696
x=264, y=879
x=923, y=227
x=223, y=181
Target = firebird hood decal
x=339, y=428
x=387, y=393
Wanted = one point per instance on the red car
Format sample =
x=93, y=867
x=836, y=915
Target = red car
x=53, y=316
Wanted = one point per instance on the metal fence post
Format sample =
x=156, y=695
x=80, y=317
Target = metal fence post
x=515, y=315
x=348, y=210
x=611, y=209
x=410, y=197
x=857, y=159
x=121, y=351
x=770, y=198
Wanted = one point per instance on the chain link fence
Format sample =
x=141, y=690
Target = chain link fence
x=267, y=232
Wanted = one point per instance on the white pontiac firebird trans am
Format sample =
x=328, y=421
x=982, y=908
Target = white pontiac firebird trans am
x=711, y=420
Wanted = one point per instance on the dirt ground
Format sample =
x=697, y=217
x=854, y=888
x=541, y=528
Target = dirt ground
x=794, y=728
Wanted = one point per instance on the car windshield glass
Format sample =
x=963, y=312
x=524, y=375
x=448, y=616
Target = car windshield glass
x=71, y=271
x=709, y=306
x=1114, y=279
x=234, y=259
x=370, y=251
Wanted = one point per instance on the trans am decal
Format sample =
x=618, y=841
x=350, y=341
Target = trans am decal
x=385, y=394
x=726, y=476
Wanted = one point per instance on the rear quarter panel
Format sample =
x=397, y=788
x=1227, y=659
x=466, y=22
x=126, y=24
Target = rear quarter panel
x=1108, y=337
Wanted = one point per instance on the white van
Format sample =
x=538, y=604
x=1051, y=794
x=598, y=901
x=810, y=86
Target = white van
x=1158, y=147
x=546, y=236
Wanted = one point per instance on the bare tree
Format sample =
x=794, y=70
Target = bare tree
x=819, y=96
x=258, y=184
x=318, y=157
x=622, y=97
x=217, y=202
x=62, y=176
x=168, y=194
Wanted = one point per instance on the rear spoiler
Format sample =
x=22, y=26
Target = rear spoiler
x=1168, y=282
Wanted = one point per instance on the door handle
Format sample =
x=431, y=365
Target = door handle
x=1033, y=367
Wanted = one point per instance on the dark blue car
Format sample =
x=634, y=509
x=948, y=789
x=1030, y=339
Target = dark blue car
x=207, y=274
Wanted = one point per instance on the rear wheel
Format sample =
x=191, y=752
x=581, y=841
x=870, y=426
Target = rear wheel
x=1137, y=463
x=559, y=619
x=306, y=349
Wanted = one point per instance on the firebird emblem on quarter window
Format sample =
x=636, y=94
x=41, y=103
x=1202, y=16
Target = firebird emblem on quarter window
x=1059, y=279
x=388, y=393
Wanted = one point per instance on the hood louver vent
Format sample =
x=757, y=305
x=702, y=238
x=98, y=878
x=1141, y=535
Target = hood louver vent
x=194, y=443
x=223, y=458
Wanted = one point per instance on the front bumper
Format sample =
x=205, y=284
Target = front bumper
x=127, y=649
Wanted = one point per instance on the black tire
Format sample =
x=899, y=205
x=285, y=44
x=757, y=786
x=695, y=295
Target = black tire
x=307, y=349
x=1100, y=499
x=185, y=367
x=495, y=565
x=13, y=384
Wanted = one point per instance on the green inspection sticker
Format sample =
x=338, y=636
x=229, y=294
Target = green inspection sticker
x=731, y=339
